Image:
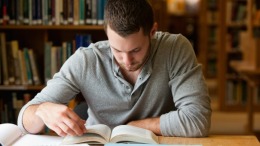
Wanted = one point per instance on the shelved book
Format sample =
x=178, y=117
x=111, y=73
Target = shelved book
x=102, y=134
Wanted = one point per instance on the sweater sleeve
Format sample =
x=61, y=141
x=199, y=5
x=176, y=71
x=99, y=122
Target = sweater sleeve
x=190, y=94
x=63, y=87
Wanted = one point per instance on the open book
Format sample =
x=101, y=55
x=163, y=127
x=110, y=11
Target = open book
x=102, y=134
x=10, y=134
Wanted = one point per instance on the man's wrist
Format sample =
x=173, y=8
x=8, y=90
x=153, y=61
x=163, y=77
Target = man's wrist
x=152, y=124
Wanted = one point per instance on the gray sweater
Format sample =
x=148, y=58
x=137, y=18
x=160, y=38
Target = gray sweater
x=170, y=86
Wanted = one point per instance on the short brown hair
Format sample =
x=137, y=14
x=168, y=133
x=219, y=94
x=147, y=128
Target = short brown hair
x=126, y=17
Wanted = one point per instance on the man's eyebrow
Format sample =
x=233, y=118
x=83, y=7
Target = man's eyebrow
x=120, y=51
x=114, y=48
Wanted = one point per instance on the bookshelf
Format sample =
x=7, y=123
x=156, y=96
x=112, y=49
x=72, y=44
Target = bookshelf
x=209, y=26
x=35, y=36
x=238, y=44
x=32, y=25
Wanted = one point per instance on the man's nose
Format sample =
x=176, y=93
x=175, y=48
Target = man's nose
x=127, y=59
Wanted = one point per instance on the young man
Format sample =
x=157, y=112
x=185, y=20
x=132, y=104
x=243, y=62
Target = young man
x=139, y=77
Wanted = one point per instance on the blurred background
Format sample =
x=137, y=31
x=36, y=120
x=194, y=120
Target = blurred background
x=36, y=38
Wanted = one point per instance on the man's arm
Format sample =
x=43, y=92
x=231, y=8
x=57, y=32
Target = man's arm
x=57, y=117
x=152, y=124
x=31, y=122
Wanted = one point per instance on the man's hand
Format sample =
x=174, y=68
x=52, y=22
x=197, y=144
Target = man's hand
x=152, y=124
x=61, y=119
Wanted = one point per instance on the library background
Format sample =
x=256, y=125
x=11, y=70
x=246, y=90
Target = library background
x=37, y=36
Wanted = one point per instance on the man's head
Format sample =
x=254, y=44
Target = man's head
x=129, y=26
x=128, y=16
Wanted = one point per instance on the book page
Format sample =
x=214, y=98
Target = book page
x=9, y=133
x=38, y=140
x=100, y=129
x=129, y=133
x=96, y=134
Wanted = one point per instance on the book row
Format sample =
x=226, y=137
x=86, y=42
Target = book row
x=56, y=55
x=52, y=12
x=20, y=65
x=11, y=106
x=236, y=12
x=236, y=93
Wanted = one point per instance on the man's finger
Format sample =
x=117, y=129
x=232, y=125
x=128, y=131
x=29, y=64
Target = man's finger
x=58, y=130
x=73, y=126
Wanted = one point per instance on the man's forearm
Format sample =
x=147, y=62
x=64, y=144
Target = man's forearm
x=152, y=124
x=31, y=122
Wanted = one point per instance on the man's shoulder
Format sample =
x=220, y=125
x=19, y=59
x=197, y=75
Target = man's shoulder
x=100, y=46
x=161, y=34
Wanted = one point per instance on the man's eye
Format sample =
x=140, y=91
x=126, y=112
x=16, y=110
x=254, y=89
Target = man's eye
x=136, y=50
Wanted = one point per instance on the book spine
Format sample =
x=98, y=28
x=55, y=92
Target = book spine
x=53, y=11
x=81, y=12
x=45, y=12
x=76, y=12
x=35, y=74
x=64, y=52
x=33, y=12
x=30, y=8
x=49, y=12
x=22, y=67
x=11, y=67
x=26, y=11
x=4, y=58
x=88, y=11
x=70, y=11
x=28, y=66
x=47, y=61
x=1, y=12
x=100, y=12
x=94, y=13
x=39, y=11
x=53, y=60
x=57, y=12
x=17, y=68
x=65, y=12
x=20, y=11
x=5, y=12
x=12, y=12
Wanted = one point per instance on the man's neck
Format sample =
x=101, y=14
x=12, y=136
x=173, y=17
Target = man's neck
x=131, y=76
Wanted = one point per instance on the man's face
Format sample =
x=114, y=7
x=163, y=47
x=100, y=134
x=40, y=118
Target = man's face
x=130, y=52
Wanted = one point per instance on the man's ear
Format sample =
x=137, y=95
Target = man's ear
x=154, y=29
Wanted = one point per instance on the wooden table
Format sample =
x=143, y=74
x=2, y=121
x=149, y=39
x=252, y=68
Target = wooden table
x=252, y=77
x=213, y=140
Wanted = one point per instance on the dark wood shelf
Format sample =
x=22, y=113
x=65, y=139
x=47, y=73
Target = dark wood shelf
x=53, y=27
x=21, y=87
